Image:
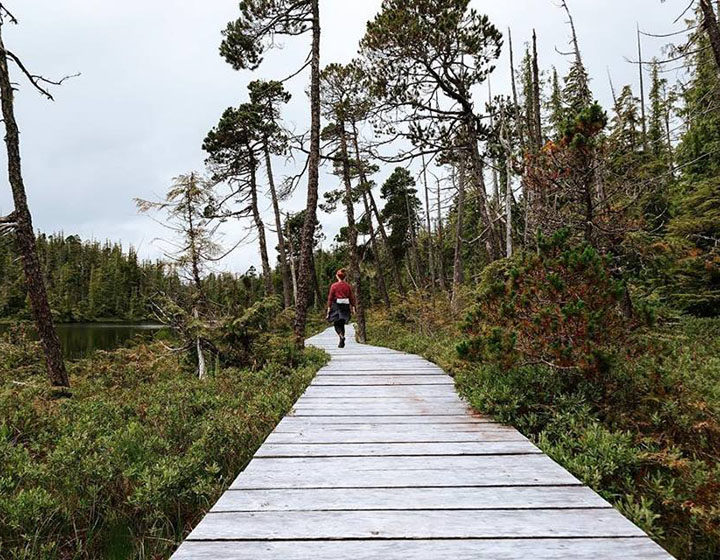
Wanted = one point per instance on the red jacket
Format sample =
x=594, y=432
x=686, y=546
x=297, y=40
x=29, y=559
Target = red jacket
x=340, y=290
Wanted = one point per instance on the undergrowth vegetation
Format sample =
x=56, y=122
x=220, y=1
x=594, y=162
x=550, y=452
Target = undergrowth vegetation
x=630, y=409
x=126, y=465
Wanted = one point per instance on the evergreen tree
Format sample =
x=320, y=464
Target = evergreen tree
x=401, y=211
x=556, y=107
x=657, y=133
x=235, y=147
x=625, y=124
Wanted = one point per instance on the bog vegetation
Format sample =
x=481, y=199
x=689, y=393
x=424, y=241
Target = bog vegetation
x=560, y=257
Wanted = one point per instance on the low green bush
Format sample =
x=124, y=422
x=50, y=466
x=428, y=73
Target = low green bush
x=128, y=464
x=643, y=431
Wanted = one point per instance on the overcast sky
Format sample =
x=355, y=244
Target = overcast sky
x=152, y=84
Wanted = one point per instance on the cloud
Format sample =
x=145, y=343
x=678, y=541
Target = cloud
x=153, y=84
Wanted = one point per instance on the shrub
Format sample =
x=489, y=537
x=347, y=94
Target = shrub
x=131, y=461
x=560, y=307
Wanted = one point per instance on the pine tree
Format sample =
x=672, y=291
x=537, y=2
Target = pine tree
x=556, y=107
x=401, y=211
x=625, y=133
x=657, y=134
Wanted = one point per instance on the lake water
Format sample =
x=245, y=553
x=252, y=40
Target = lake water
x=81, y=339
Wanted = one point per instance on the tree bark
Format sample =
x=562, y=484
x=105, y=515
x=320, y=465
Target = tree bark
x=710, y=25
x=267, y=272
x=352, y=236
x=25, y=235
x=317, y=294
x=457, y=260
x=308, y=232
x=282, y=252
x=508, y=194
x=379, y=272
x=431, y=260
x=494, y=241
x=414, y=254
x=441, y=242
x=202, y=368
x=293, y=270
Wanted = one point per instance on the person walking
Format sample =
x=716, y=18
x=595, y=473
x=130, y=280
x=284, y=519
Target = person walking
x=340, y=305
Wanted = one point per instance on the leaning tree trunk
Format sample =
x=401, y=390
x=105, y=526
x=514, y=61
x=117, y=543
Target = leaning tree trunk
x=382, y=286
x=386, y=243
x=431, y=260
x=267, y=272
x=352, y=237
x=441, y=242
x=291, y=258
x=457, y=261
x=308, y=232
x=284, y=269
x=414, y=253
x=25, y=235
x=476, y=165
x=381, y=227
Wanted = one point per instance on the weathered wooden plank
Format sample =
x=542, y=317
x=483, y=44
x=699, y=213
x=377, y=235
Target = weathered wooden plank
x=345, y=408
x=297, y=425
x=373, y=391
x=442, y=524
x=386, y=365
x=541, y=463
x=384, y=433
x=506, y=549
x=334, y=499
x=382, y=459
x=382, y=364
x=343, y=372
x=393, y=420
x=390, y=400
x=394, y=472
x=364, y=380
x=395, y=449
x=386, y=436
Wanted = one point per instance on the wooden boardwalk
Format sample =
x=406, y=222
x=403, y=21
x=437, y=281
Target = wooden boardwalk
x=381, y=459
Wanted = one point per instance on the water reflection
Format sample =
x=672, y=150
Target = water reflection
x=82, y=339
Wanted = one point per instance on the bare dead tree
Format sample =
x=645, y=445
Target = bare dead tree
x=642, y=91
x=192, y=248
x=20, y=220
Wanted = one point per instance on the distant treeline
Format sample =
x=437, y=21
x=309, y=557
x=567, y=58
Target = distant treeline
x=91, y=280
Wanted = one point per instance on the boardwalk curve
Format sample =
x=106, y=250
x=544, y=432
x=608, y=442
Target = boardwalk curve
x=380, y=459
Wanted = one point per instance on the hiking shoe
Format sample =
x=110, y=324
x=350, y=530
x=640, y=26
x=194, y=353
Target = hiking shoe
x=342, y=343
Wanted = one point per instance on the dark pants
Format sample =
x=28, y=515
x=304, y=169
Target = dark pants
x=340, y=327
